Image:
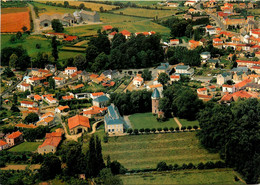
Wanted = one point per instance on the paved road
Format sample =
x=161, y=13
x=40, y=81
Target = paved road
x=218, y=21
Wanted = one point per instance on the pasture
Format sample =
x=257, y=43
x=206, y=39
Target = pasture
x=145, y=151
x=26, y=147
x=149, y=13
x=13, y=19
x=50, y=10
x=187, y=123
x=148, y=120
x=213, y=176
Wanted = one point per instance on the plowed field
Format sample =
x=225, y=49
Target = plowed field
x=13, y=19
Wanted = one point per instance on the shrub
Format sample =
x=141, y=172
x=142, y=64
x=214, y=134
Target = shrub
x=200, y=166
x=105, y=139
x=176, y=167
x=220, y=164
x=209, y=165
x=195, y=127
x=171, y=129
x=147, y=130
x=136, y=131
x=177, y=128
x=183, y=128
x=130, y=131
x=190, y=166
x=153, y=130
x=38, y=46
x=141, y=130
x=159, y=129
x=189, y=127
x=184, y=166
x=170, y=167
x=236, y=178
x=165, y=129
x=162, y=166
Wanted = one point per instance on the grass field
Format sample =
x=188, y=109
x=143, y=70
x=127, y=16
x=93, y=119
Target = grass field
x=187, y=123
x=146, y=12
x=29, y=43
x=145, y=151
x=214, y=176
x=68, y=54
x=52, y=9
x=26, y=147
x=148, y=120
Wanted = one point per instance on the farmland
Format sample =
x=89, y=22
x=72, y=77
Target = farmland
x=149, y=13
x=214, y=176
x=26, y=147
x=13, y=19
x=177, y=148
x=50, y=10
x=147, y=120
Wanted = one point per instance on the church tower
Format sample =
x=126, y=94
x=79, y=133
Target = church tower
x=155, y=101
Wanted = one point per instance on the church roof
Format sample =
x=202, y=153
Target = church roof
x=156, y=93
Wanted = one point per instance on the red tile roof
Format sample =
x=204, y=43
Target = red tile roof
x=22, y=125
x=14, y=135
x=126, y=33
x=3, y=143
x=37, y=97
x=78, y=120
x=70, y=68
x=25, y=84
x=63, y=107
x=212, y=87
x=67, y=97
x=202, y=89
x=57, y=78
x=98, y=94
x=243, y=83
x=227, y=86
x=107, y=27
x=27, y=102
x=70, y=38
x=175, y=76
x=52, y=139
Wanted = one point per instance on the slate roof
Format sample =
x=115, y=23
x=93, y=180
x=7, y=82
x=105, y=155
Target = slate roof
x=113, y=117
x=163, y=66
x=156, y=93
x=182, y=67
x=101, y=99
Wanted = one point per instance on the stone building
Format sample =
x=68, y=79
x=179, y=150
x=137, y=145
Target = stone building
x=155, y=101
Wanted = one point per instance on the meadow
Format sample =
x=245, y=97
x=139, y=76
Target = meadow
x=187, y=123
x=149, y=13
x=148, y=120
x=26, y=147
x=213, y=176
x=145, y=151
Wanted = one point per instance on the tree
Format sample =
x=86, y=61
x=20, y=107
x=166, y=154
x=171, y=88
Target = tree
x=24, y=28
x=50, y=167
x=147, y=75
x=100, y=62
x=66, y=4
x=189, y=31
x=18, y=35
x=51, y=83
x=13, y=60
x=14, y=108
x=91, y=53
x=8, y=72
x=15, y=99
x=54, y=44
x=31, y=118
x=57, y=25
x=108, y=178
x=117, y=168
x=81, y=6
x=80, y=62
x=163, y=78
x=234, y=58
x=99, y=156
x=130, y=131
x=162, y=166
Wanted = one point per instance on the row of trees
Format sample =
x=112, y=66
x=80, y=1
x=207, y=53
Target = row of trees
x=234, y=132
x=132, y=102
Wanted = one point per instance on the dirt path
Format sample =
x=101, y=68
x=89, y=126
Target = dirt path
x=36, y=21
x=21, y=167
x=128, y=122
x=178, y=122
x=94, y=127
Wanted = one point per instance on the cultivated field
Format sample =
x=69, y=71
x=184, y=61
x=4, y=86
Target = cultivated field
x=93, y=6
x=214, y=176
x=26, y=147
x=50, y=10
x=148, y=120
x=145, y=151
x=13, y=19
x=146, y=12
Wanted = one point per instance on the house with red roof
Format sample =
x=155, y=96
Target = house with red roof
x=202, y=91
x=211, y=30
x=28, y=104
x=70, y=70
x=3, y=145
x=204, y=97
x=228, y=88
x=174, y=41
x=107, y=27
x=78, y=124
x=35, y=80
x=61, y=109
x=67, y=97
x=59, y=81
x=51, y=142
x=14, y=138
x=51, y=100
x=22, y=125
x=70, y=38
x=138, y=80
x=242, y=85
x=126, y=33
x=97, y=94
x=24, y=87
x=94, y=111
x=189, y=3
x=111, y=35
x=46, y=119
x=37, y=97
x=175, y=78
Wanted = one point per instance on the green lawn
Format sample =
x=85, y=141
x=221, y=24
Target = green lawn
x=145, y=151
x=150, y=13
x=26, y=147
x=148, y=120
x=187, y=123
x=29, y=43
x=214, y=176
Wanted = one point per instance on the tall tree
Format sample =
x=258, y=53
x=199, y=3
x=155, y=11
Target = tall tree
x=100, y=160
x=57, y=25
x=54, y=44
x=31, y=118
x=13, y=60
x=163, y=78
x=51, y=83
x=80, y=62
x=100, y=62
x=147, y=75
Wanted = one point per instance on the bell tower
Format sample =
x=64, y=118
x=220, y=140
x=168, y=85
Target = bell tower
x=155, y=101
